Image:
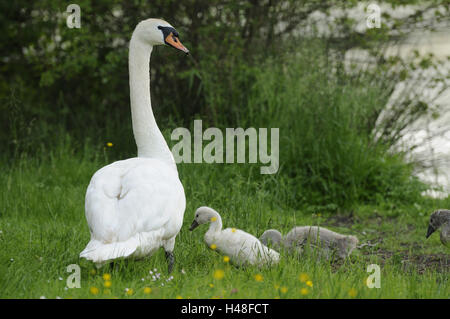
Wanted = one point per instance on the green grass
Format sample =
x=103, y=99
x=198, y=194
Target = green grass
x=44, y=229
x=331, y=174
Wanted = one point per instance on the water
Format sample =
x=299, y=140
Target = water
x=431, y=134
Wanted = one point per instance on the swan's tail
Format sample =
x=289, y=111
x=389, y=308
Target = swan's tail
x=100, y=253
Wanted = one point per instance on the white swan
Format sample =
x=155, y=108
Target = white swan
x=241, y=247
x=135, y=206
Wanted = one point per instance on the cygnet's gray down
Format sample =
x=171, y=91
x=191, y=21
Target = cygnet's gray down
x=317, y=237
x=440, y=219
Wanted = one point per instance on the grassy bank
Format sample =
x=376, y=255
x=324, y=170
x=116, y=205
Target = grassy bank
x=331, y=173
x=43, y=229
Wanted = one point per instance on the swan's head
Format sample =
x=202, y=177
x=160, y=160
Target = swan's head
x=159, y=32
x=204, y=215
x=438, y=218
x=271, y=236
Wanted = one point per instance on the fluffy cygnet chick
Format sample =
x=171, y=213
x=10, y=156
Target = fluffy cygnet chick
x=242, y=248
x=440, y=219
x=325, y=239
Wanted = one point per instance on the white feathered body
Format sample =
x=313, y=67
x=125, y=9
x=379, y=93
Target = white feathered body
x=133, y=207
x=241, y=247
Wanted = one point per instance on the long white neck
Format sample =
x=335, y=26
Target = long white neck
x=216, y=225
x=149, y=139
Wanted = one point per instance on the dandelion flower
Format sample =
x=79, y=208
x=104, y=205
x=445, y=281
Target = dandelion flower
x=304, y=291
x=94, y=290
x=106, y=277
x=303, y=277
x=211, y=285
x=226, y=259
x=107, y=284
x=213, y=246
x=283, y=290
x=129, y=291
x=258, y=277
x=219, y=274
x=109, y=144
x=179, y=297
x=147, y=290
x=309, y=283
x=352, y=292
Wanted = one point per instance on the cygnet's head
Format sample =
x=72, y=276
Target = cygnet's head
x=271, y=236
x=438, y=218
x=204, y=215
x=346, y=245
x=158, y=32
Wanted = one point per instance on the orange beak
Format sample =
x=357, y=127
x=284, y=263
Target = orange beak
x=176, y=43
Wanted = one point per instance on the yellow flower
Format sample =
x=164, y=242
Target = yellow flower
x=226, y=259
x=304, y=291
x=147, y=290
x=93, y=290
x=233, y=230
x=213, y=219
x=211, y=285
x=92, y=272
x=309, y=283
x=352, y=292
x=259, y=277
x=219, y=274
x=109, y=144
x=303, y=277
x=129, y=291
x=179, y=297
x=213, y=246
x=283, y=290
x=107, y=284
x=106, y=277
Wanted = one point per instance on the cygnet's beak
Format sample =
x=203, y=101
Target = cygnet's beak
x=193, y=225
x=430, y=231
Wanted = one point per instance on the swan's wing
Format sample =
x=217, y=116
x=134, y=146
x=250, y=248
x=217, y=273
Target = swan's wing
x=134, y=196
